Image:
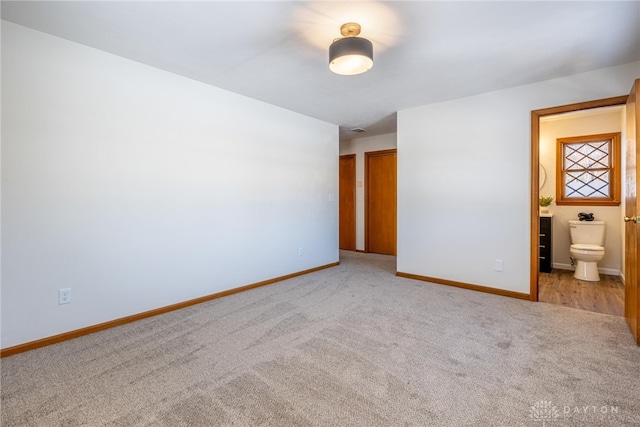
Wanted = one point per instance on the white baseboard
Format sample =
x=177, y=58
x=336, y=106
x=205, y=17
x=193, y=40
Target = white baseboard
x=563, y=266
x=608, y=271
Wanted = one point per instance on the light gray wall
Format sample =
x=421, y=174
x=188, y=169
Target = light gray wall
x=359, y=146
x=138, y=188
x=464, y=178
x=587, y=123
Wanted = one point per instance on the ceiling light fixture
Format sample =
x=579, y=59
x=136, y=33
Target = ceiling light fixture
x=350, y=55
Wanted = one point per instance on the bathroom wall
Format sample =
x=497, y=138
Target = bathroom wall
x=589, y=122
x=359, y=146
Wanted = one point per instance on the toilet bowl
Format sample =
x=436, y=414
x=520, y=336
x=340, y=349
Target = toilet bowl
x=587, y=238
x=587, y=257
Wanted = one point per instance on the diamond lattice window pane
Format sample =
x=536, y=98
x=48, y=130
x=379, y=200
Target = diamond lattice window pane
x=580, y=184
x=592, y=155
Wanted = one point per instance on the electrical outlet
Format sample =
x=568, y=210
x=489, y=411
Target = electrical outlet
x=300, y=251
x=499, y=265
x=64, y=296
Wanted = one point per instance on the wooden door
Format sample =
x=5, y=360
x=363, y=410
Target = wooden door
x=632, y=210
x=347, y=201
x=380, y=202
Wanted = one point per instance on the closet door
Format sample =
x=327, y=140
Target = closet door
x=380, y=202
x=347, y=199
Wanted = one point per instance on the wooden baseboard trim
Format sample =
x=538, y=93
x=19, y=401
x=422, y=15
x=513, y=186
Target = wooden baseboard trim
x=502, y=292
x=21, y=348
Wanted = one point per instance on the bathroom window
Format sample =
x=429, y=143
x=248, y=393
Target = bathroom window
x=588, y=170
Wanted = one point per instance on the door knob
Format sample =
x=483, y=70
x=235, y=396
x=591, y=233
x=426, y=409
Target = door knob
x=631, y=219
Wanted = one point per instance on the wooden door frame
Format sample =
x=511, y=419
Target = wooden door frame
x=535, y=185
x=355, y=223
x=366, y=190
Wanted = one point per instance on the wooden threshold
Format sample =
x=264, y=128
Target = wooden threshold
x=485, y=289
x=20, y=348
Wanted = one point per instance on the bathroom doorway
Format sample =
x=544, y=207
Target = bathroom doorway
x=559, y=286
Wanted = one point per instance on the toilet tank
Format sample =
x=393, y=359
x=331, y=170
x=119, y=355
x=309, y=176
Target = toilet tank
x=587, y=232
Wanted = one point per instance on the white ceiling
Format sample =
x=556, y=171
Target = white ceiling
x=424, y=51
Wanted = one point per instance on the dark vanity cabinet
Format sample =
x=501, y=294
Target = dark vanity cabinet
x=546, y=230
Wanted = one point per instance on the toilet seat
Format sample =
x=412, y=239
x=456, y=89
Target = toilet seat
x=586, y=247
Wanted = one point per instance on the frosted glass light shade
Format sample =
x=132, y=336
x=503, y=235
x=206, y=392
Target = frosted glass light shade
x=350, y=56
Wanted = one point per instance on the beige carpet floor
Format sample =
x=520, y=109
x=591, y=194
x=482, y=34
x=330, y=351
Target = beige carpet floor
x=348, y=346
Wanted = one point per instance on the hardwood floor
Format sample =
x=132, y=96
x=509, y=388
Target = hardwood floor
x=560, y=287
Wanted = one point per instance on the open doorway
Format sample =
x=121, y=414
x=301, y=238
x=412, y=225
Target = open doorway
x=557, y=285
x=556, y=282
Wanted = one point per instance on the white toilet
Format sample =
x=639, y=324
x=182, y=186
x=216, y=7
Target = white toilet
x=587, y=248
